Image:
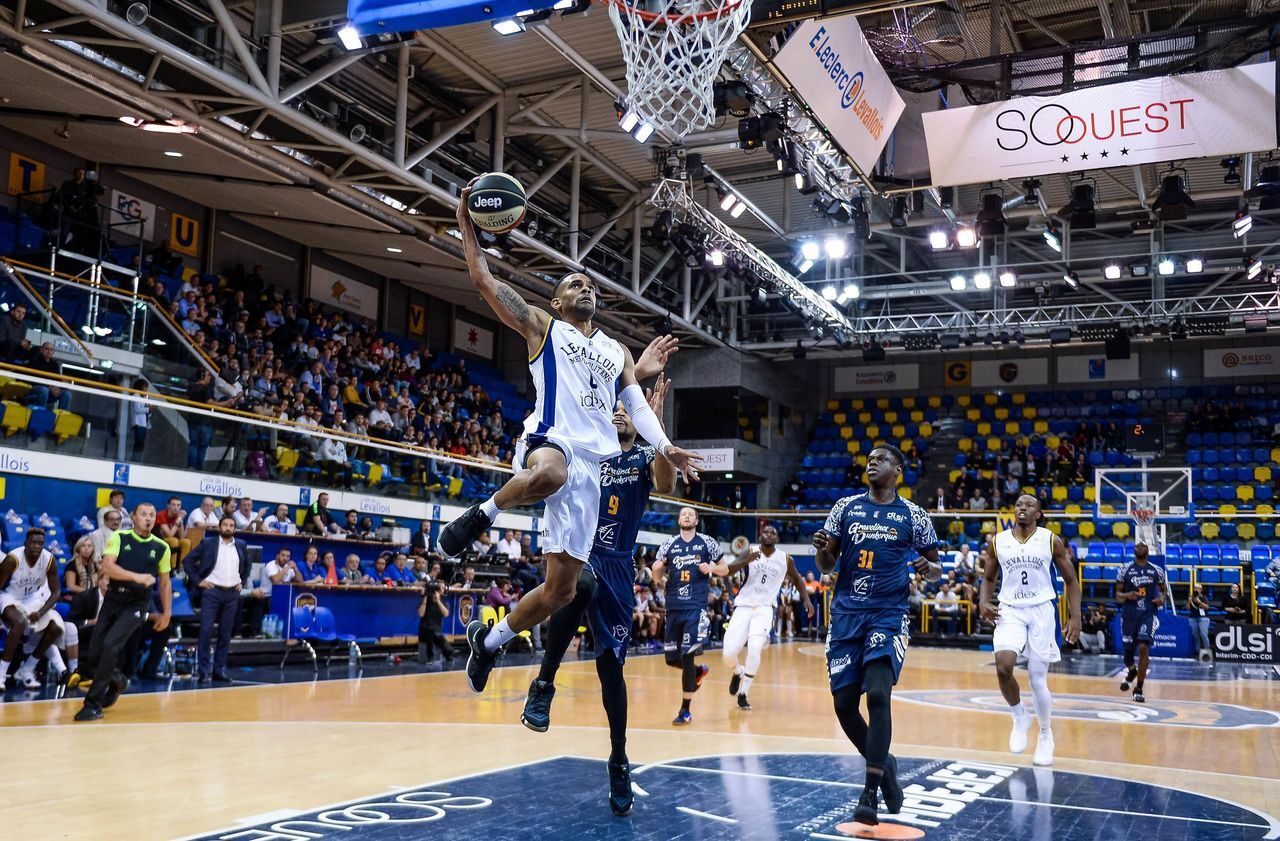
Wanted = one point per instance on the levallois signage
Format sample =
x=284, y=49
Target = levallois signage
x=1196, y=115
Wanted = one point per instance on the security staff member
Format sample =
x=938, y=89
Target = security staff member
x=134, y=559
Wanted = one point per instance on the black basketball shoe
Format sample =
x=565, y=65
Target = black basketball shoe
x=620, y=795
x=479, y=661
x=537, y=707
x=1128, y=679
x=456, y=537
x=889, y=786
x=734, y=683
x=866, y=813
x=743, y=703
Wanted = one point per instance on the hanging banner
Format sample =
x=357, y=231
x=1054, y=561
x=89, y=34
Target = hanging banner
x=1197, y=115
x=417, y=320
x=1242, y=362
x=1098, y=369
x=998, y=373
x=342, y=292
x=127, y=208
x=184, y=235
x=472, y=339
x=831, y=66
x=957, y=373
x=26, y=175
x=881, y=377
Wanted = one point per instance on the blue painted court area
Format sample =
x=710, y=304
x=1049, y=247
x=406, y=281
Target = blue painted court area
x=1108, y=665
x=773, y=796
x=1097, y=708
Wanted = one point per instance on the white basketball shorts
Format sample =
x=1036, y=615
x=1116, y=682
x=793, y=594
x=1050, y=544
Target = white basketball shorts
x=30, y=605
x=1033, y=629
x=569, y=521
x=745, y=623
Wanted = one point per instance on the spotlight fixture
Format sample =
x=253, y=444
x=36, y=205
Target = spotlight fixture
x=1008, y=279
x=727, y=199
x=1267, y=189
x=851, y=291
x=350, y=39
x=990, y=220
x=898, y=212
x=1172, y=203
x=1195, y=265
x=1071, y=279
x=505, y=26
x=629, y=119
x=836, y=247
x=804, y=265
x=715, y=257
x=966, y=237
x=1031, y=191
x=731, y=97
x=662, y=225
x=958, y=283
x=1080, y=210
x=137, y=14
x=1053, y=238
x=1112, y=271
x=829, y=293
x=810, y=250
x=1243, y=222
x=1139, y=270
x=982, y=280
x=1253, y=268
x=939, y=240
x=1166, y=266
x=1232, y=166
x=923, y=341
x=643, y=132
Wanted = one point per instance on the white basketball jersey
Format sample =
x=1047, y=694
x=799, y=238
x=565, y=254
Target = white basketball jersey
x=576, y=379
x=1026, y=569
x=28, y=580
x=764, y=579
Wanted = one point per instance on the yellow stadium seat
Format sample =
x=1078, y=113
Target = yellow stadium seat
x=1052, y=442
x=908, y=402
x=748, y=435
x=882, y=403
x=965, y=445
x=1072, y=509
x=972, y=414
x=1090, y=493
x=986, y=474
x=1087, y=529
x=864, y=418
x=935, y=402
x=1121, y=529
x=989, y=527
x=1019, y=398
x=1002, y=414
x=964, y=401
x=846, y=432
x=1210, y=531
x=1028, y=412
x=898, y=431
x=956, y=527
x=955, y=475
x=984, y=429
x=1040, y=427
x=66, y=424
x=857, y=404
x=375, y=473
x=744, y=421
x=917, y=416
x=926, y=430
x=840, y=419
x=1264, y=508
x=904, y=492
x=862, y=459
x=1106, y=508
x=993, y=445
x=1227, y=510
x=1247, y=531
x=890, y=417
x=872, y=431
x=833, y=405
x=15, y=418
x=990, y=399
x=1244, y=493
x=1262, y=474
x=14, y=390
x=455, y=486
x=1275, y=454
x=1054, y=526
x=1022, y=440
x=1059, y=493
x=853, y=446
x=1011, y=428
x=286, y=459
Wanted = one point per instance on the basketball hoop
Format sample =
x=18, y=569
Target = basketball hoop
x=674, y=50
x=1145, y=527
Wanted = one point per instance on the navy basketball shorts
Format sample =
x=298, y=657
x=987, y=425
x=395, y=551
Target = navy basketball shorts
x=856, y=639
x=687, y=631
x=1136, y=629
x=610, y=612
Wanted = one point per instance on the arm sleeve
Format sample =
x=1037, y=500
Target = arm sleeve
x=165, y=565
x=646, y=422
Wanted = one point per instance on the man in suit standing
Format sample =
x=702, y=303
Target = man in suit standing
x=216, y=571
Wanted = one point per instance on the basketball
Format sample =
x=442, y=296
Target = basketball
x=496, y=203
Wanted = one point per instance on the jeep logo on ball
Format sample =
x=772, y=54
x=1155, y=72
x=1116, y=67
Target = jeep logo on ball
x=489, y=201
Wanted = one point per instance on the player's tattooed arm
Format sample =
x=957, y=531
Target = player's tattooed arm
x=513, y=303
x=506, y=303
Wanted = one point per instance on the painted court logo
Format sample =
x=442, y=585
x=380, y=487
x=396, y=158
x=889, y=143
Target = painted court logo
x=1094, y=708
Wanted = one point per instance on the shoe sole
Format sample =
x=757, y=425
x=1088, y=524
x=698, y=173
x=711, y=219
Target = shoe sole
x=620, y=812
x=534, y=727
x=682, y=723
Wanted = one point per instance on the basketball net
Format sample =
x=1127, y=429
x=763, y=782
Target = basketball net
x=674, y=50
x=1144, y=520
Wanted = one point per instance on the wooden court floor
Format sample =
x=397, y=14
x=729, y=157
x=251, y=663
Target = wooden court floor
x=170, y=765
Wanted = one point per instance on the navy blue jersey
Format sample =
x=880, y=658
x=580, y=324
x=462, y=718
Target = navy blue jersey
x=877, y=545
x=625, y=483
x=686, y=585
x=1147, y=581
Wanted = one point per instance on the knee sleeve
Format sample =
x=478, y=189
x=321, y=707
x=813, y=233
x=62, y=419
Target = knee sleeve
x=755, y=648
x=877, y=682
x=70, y=634
x=689, y=676
x=674, y=660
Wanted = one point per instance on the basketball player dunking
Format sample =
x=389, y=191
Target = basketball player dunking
x=753, y=608
x=1027, y=618
x=606, y=594
x=579, y=374
x=873, y=541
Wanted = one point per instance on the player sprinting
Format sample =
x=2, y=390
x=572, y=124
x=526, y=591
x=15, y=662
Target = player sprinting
x=767, y=568
x=579, y=374
x=1140, y=590
x=29, y=590
x=686, y=563
x=1026, y=620
x=605, y=593
x=873, y=540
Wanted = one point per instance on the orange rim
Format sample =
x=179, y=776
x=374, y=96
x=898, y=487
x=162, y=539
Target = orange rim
x=628, y=9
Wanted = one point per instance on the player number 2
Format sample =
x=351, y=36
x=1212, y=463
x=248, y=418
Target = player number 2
x=613, y=504
x=1025, y=582
x=865, y=557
